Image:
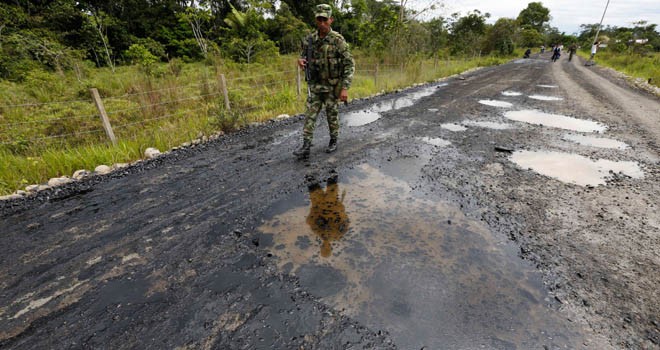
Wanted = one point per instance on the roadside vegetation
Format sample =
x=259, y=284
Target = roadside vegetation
x=159, y=68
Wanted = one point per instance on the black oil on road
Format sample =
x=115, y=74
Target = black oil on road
x=370, y=245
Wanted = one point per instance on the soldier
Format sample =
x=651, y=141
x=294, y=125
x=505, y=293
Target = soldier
x=330, y=72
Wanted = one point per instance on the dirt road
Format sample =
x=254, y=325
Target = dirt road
x=515, y=207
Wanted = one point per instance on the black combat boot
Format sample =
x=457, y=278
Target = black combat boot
x=332, y=146
x=303, y=152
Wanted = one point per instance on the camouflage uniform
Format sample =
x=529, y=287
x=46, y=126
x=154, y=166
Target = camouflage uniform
x=332, y=70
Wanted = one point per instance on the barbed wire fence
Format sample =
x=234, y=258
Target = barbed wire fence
x=95, y=119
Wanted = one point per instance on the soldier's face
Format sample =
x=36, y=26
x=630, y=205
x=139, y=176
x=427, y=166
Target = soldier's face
x=323, y=24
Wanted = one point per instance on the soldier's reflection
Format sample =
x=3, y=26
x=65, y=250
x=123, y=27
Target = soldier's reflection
x=327, y=214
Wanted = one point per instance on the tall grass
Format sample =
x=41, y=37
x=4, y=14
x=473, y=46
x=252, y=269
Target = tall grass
x=634, y=65
x=41, y=137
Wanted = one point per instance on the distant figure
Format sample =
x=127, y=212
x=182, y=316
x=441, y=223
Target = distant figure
x=527, y=53
x=542, y=48
x=556, y=52
x=594, y=49
x=571, y=51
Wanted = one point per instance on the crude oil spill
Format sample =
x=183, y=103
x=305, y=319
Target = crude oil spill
x=488, y=125
x=495, y=103
x=392, y=259
x=545, y=98
x=453, y=127
x=555, y=121
x=511, y=93
x=599, y=142
x=574, y=168
x=373, y=113
x=435, y=141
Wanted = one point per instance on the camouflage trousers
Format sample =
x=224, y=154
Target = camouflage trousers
x=315, y=103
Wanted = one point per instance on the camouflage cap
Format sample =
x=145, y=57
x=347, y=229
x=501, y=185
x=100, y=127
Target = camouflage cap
x=323, y=10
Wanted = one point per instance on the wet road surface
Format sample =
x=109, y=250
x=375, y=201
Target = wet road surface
x=412, y=235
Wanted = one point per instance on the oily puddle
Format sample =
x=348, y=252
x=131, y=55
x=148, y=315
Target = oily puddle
x=574, y=168
x=374, y=112
x=369, y=245
x=599, y=142
x=555, y=121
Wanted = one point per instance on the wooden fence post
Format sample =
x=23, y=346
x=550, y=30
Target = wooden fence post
x=104, y=117
x=225, y=92
x=298, y=80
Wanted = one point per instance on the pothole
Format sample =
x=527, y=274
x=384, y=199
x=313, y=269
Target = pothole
x=545, y=98
x=374, y=112
x=574, y=168
x=555, y=121
x=393, y=259
x=593, y=141
x=435, y=141
x=511, y=93
x=453, y=127
x=496, y=103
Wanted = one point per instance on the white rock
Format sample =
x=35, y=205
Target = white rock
x=32, y=188
x=151, y=153
x=102, y=169
x=204, y=138
x=196, y=141
x=43, y=187
x=282, y=116
x=119, y=165
x=185, y=144
x=10, y=196
x=20, y=193
x=57, y=181
x=79, y=174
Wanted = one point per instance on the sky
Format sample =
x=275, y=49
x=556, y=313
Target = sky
x=567, y=15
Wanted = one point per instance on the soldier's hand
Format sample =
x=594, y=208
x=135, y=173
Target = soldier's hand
x=302, y=62
x=343, y=95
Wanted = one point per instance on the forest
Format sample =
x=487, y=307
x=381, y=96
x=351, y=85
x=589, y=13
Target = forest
x=64, y=35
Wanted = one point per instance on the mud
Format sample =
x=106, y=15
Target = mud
x=442, y=246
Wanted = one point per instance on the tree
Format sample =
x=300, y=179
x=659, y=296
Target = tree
x=534, y=16
x=467, y=32
x=502, y=36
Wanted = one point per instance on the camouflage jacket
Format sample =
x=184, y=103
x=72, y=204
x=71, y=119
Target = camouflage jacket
x=332, y=65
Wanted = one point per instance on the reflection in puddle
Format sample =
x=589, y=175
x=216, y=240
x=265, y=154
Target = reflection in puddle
x=545, y=98
x=453, y=127
x=511, y=93
x=555, y=121
x=435, y=141
x=418, y=268
x=488, y=125
x=327, y=216
x=548, y=86
x=595, y=141
x=574, y=168
x=495, y=103
x=363, y=117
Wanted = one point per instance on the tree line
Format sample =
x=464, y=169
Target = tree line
x=60, y=35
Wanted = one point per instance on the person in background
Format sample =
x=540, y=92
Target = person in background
x=594, y=49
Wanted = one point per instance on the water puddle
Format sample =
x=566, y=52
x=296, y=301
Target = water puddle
x=488, y=125
x=435, y=141
x=368, y=244
x=548, y=86
x=545, y=98
x=453, y=127
x=511, y=93
x=495, y=103
x=555, y=121
x=433, y=109
x=373, y=113
x=595, y=141
x=574, y=168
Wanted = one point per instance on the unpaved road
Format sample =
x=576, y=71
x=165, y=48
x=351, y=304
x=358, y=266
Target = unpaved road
x=452, y=220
